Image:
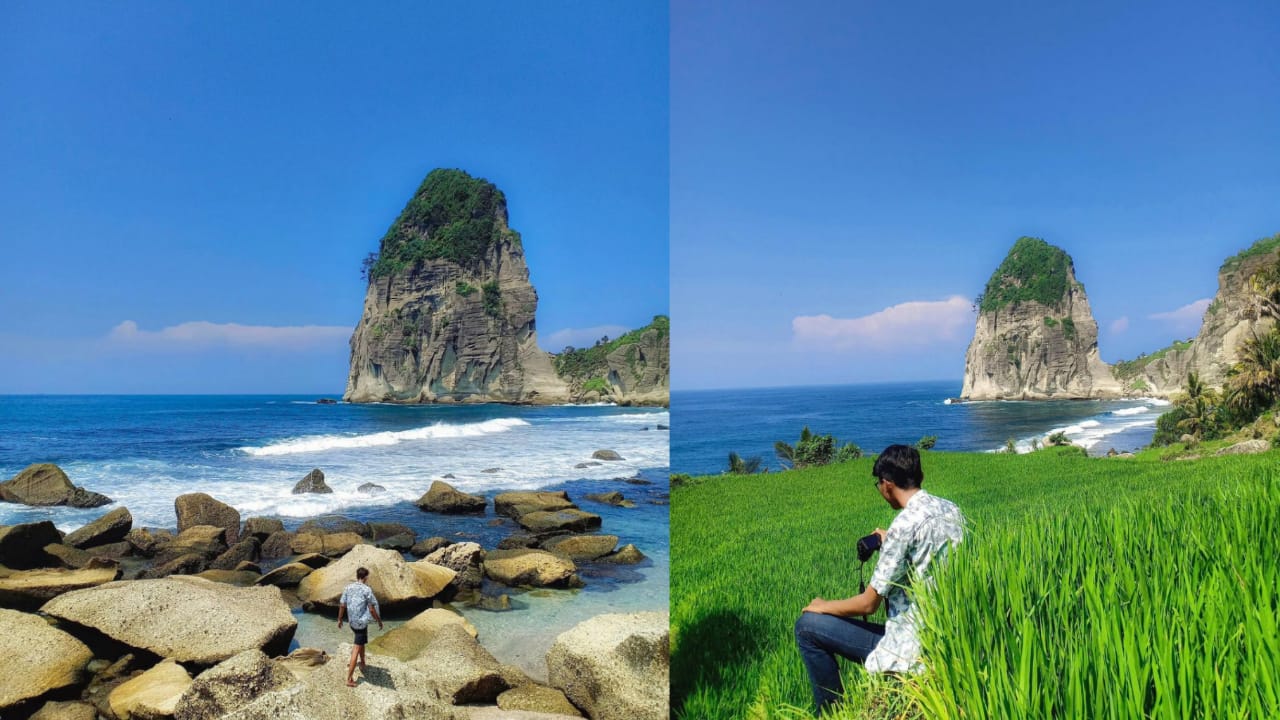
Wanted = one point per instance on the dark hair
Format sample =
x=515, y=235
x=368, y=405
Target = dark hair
x=362, y=573
x=900, y=465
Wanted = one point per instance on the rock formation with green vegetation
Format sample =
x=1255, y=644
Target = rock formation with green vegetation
x=1035, y=337
x=1243, y=308
x=633, y=368
x=449, y=312
x=449, y=315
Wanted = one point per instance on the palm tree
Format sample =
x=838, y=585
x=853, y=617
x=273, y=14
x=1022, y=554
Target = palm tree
x=1059, y=438
x=787, y=453
x=1198, y=406
x=1254, y=381
x=739, y=466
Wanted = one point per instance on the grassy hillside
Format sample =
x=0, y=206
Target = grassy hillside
x=589, y=366
x=1087, y=587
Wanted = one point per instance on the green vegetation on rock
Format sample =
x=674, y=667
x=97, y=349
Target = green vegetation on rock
x=464, y=288
x=586, y=364
x=452, y=216
x=1262, y=246
x=1033, y=270
x=1126, y=369
x=1067, y=598
x=492, y=298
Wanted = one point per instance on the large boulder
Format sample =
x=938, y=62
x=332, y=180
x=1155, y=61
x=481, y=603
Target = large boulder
x=312, y=483
x=387, y=690
x=66, y=710
x=627, y=555
x=153, y=695
x=46, y=484
x=239, y=578
x=112, y=527
x=334, y=524
x=530, y=567
x=466, y=559
x=396, y=583
x=22, y=546
x=423, y=548
x=247, y=550
x=200, y=509
x=230, y=685
x=615, y=667
x=29, y=589
x=70, y=557
x=412, y=638
x=332, y=544
x=261, y=527
x=537, y=698
x=515, y=504
x=191, y=620
x=208, y=541
x=459, y=669
x=567, y=520
x=188, y=564
x=613, y=498
x=581, y=547
x=1248, y=447
x=37, y=658
x=278, y=545
x=148, y=541
x=442, y=497
x=286, y=575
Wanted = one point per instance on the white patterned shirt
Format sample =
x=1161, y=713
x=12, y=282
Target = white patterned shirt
x=924, y=530
x=358, y=598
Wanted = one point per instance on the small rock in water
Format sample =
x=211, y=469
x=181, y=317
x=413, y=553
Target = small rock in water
x=494, y=603
x=637, y=481
x=312, y=483
x=491, y=470
x=448, y=476
x=496, y=522
x=582, y=465
x=663, y=427
x=371, y=489
x=326, y=401
x=607, y=455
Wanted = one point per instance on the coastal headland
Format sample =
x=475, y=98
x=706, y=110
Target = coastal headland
x=450, y=316
x=1036, y=337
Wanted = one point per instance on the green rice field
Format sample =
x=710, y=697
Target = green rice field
x=1086, y=587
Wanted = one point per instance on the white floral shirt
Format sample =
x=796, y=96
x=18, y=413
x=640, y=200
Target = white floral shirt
x=358, y=598
x=924, y=530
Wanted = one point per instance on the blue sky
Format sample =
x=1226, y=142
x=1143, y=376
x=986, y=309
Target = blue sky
x=188, y=189
x=874, y=162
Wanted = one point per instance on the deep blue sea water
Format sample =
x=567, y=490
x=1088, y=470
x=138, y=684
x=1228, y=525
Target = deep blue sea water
x=708, y=424
x=249, y=451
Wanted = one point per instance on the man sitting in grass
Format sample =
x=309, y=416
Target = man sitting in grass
x=923, y=531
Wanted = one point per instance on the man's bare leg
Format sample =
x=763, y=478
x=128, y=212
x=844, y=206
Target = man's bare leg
x=361, y=658
x=356, y=651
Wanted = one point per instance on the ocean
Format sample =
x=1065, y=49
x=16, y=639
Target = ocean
x=709, y=424
x=249, y=452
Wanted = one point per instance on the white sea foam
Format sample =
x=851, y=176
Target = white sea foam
x=317, y=443
x=1124, y=412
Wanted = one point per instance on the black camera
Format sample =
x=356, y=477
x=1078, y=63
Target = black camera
x=867, y=546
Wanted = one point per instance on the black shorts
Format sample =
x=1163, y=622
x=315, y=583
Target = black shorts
x=362, y=635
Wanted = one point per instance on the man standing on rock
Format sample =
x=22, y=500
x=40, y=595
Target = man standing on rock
x=919, y=536
x=360, y=605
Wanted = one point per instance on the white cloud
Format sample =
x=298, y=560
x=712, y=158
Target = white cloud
x=917, y=323
x=1186, y=318
x=201, y=334
x=579, y=337
x=1119, y=325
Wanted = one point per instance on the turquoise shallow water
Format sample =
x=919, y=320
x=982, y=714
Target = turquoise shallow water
x=249, y=451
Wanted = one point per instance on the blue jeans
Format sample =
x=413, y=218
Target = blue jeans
x=820, y=638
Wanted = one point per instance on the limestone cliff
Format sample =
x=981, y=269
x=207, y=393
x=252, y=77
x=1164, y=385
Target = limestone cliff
x=1035, y=337
x=449, y=311
x=449, y=316
x=633, y=369
x=1231, y=317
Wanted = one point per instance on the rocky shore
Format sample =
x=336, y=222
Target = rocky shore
x=196, y=621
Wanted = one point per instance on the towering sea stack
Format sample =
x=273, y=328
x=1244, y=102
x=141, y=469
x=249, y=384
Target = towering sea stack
x=449, y=312
x=1036, y=338
x=1234, y=315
